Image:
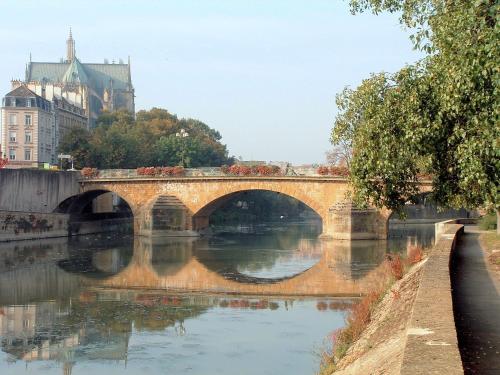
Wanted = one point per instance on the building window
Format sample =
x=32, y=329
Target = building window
x=12, y=102
x=28, y=102
x=12, y=137
x=12, y=154
x=27, y=137
x=26, y=323
x=12, y=119
x=27, y=154
x=27, y=120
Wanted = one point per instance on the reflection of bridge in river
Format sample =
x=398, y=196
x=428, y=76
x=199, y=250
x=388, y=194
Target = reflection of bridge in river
x=175, y=265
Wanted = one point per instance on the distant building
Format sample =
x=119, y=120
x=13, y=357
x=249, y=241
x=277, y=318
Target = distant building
x=93, y=87
x=32, y=126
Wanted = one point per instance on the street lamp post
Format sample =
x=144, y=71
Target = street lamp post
x=183, y=134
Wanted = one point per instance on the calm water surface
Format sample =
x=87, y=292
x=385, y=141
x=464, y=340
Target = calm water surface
x=105, y=305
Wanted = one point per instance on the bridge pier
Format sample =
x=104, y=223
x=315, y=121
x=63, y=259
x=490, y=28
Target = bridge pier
x=347, y=222
x=166, y=217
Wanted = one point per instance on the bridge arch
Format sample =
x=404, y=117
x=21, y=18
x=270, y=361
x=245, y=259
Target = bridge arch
x=88, y=208
x=200, y=218
x=79, y=203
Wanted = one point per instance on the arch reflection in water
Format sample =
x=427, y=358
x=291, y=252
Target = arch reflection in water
x=341, y=268
x=98, y=256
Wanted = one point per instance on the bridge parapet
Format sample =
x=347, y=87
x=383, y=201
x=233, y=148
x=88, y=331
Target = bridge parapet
x=209, y=172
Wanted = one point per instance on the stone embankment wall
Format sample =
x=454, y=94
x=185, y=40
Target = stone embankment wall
x=31, y=190
x=15, y=226
x=432, y=345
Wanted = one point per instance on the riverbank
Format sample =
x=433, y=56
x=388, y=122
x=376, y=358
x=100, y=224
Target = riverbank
x=412, y=329
x=490, y=243
x=380, y=348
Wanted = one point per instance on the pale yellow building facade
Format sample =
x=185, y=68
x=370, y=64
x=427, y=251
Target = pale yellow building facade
x=32, y=127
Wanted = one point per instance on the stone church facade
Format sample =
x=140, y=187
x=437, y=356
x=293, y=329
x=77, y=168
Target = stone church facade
x=93, y=87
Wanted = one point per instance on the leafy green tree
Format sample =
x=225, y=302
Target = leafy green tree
x=76, y=142
x=439, y=116
x=120, y=141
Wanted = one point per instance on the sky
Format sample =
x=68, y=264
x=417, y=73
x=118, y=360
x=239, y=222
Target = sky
x=264, y=73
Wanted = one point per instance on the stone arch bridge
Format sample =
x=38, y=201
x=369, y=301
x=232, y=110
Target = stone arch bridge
x=181, y=206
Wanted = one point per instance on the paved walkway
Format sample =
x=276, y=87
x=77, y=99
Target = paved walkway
x=476, y=302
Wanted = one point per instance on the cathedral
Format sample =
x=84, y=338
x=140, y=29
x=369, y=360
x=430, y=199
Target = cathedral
x=92, y=87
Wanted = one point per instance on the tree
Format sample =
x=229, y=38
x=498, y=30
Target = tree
x=120, y=141
x=76, y=142
x=441, y=113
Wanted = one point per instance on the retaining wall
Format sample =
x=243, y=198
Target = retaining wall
x=32, y=190
x=432, y=345
x=15, y=226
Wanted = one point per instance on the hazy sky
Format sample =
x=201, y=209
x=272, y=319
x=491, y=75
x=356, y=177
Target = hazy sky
x=263, y=73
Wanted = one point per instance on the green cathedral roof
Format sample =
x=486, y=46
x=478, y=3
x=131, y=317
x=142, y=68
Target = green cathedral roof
x=97, y=76
x=75, y=73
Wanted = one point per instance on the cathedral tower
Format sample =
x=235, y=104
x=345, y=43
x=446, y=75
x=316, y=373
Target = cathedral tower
x=70, y=47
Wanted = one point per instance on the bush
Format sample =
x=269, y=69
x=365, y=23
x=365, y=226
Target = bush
x=256, y=170
x=415, y=254
x=323, y=171
x=488, y=221
x=333, y=171
x=396, y=266
x=89, y=172
x=160, y=171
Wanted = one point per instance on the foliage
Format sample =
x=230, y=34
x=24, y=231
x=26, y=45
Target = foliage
x=341, y=154
x=396, y=266
x=256, y=170
x=488, y=221
x=333, y=171
x=3, y=162
x=161, y=171
x=89, y=172
x=120, y=141
x=415, y=254
x=77, y=142
x=438, y=117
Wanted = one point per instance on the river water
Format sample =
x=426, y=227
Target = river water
x=261, y=301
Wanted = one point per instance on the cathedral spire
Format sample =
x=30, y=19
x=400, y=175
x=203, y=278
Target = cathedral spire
x=70, y=47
